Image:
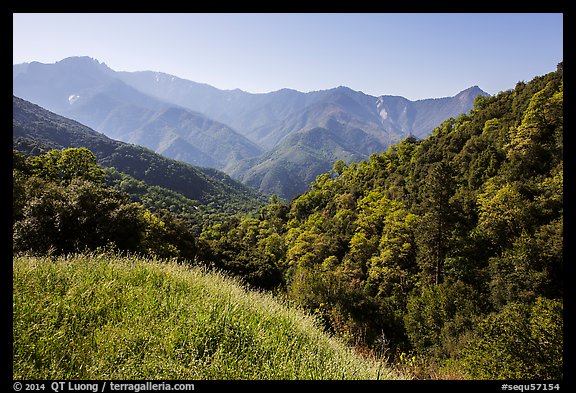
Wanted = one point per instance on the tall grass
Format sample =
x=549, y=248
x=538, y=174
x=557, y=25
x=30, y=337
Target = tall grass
x=110, y=317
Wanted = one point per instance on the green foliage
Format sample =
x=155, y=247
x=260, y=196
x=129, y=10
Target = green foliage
x=522, y=341
x=391, y=273
x=65, y=165
x=502, y=212
x=437, y=316
x=65, y=218
x=407, y=251
x=61, y=205
x=245, y=247
x=530, y=150
x=102, y=316
x=530, y=268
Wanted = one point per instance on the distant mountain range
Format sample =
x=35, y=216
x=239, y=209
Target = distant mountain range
x=276, y=142
x=36, y=128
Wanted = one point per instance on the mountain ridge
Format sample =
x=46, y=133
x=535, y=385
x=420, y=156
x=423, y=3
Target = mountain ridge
x=238, y=128
x=35, y=127
x=105, y=103
x=213, y=106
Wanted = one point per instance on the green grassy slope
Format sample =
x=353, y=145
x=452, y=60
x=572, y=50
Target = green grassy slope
x=109, y=317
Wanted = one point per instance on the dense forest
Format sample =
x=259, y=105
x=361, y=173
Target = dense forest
x=444, y=253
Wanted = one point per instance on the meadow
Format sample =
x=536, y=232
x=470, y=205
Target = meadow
x=106, y=316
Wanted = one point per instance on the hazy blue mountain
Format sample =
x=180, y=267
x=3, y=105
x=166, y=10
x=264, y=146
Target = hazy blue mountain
x=249, y=114
x=418, y=118
x=191, y=137
x=36, y=128
x=341, y=126
x=267, y=118
x=353, y=124
x=289, y=168
x=275, y=142
x=87, y=91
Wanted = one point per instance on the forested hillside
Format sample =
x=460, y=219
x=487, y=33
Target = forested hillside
x=448, y=248
x=191, y=192
x=61, y=205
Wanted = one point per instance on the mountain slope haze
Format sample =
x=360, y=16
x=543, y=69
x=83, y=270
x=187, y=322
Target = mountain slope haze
x=252, y=137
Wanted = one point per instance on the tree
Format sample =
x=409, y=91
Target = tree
x=77, y=216
x=65, y=165
x=536, y=142
x=437, y=316
x=436, y=221
x=503, y=212
x=339, y=167
x=522, y=341
x=392, y=272
x=529, y=268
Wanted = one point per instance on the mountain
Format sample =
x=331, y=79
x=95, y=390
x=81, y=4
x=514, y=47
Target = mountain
x=290, y=167
x=418, y=118
x=352, y=124
x=87, y=91
x=249, y=114
x=252, y=137
x=266, y=118
x=343, y=126
x=35, y=127
x=191, y=137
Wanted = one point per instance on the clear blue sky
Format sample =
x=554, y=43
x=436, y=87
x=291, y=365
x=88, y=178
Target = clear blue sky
x=412, y=55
